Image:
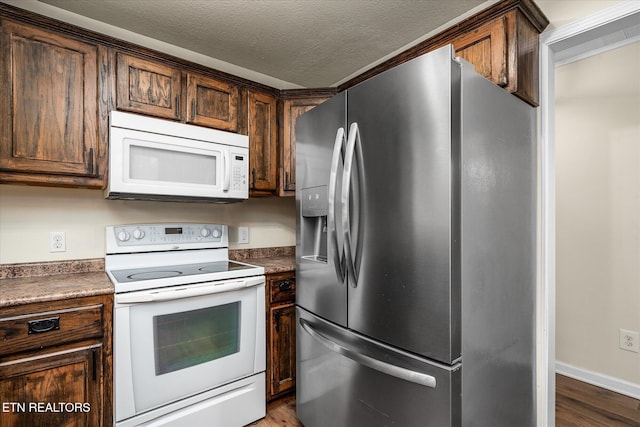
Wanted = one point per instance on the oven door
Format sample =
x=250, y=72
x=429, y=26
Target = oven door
x=176, y=342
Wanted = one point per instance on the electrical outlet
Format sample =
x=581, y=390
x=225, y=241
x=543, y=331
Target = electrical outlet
x=243, y=234
x=629, y=340
x=57, y=241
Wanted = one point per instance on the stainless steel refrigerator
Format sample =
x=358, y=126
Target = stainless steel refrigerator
x=416, y=252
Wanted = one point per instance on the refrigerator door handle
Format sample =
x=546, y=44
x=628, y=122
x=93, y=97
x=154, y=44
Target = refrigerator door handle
x=354, y=149
x=368, y=361
x=338, y=253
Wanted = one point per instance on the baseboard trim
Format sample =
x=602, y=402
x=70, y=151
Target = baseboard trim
x=610, y=383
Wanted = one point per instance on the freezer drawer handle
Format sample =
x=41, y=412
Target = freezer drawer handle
x=370, y=362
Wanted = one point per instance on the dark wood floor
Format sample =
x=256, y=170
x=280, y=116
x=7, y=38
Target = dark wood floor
x=280, y=413
x=578, y=404
x=583, y=405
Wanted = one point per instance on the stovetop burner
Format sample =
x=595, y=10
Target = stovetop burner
x=154, y=275
x=151, y=273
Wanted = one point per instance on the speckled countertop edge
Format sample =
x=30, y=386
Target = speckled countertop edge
x=27, y=290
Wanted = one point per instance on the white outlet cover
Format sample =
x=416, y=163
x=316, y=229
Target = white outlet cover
x=630, y=340
x=57, y=241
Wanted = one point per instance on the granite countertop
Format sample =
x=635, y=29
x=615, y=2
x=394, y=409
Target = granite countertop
x=279, y=264
x=274, y=260
x=50, y=281
x=26, y=290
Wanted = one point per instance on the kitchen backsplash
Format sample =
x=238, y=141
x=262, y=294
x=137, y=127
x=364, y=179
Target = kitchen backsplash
x=29, y=214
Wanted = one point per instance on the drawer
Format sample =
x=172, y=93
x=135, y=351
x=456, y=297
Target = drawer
x=282, y=288
x=46, y=329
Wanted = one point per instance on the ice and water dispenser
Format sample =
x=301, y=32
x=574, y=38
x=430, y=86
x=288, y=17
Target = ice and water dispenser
x=314, y=209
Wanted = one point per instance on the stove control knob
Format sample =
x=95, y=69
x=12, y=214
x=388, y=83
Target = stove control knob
x=123, y=236
x=217, y=233
x=205, y=232
x=138, y=234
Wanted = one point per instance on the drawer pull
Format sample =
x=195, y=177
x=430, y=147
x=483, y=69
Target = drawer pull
x=44, y=325
x=285, y=286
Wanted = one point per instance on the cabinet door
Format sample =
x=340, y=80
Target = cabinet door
x=293, y=108
x=48, y=102
x=148, y=87
x=263, y=142
x=212, y=103
x=61, y=389
x=486, y=49
x=282, y=349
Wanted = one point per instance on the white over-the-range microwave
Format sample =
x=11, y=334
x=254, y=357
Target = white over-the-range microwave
x=154, y=159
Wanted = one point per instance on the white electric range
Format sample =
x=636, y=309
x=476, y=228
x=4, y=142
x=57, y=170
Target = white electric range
x=189, y=327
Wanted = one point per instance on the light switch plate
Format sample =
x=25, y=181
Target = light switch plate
x=243, y=234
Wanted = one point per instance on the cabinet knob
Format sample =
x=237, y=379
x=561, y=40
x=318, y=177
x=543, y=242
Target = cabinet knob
x=286, y=285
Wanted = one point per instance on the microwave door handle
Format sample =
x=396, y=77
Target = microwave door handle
x=227, y=172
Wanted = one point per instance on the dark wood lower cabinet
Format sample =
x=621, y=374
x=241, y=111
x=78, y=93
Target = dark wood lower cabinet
x=55, y=363
x=281, y=334
x=53, y=390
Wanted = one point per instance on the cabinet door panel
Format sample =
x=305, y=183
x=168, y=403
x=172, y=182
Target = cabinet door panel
x=292, y=110
x=212, y=103
x=486, y=49
x=41, y=384
x=148, y=87
x=262, y=141
x=283, y=350
x=48, y=100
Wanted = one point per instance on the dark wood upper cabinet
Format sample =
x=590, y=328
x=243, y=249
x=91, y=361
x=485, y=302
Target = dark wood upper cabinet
x=292, y=109
x=167, y=91
x=48, y=107
x=263, y=141
x=212, y=102
x=505, y=51
x=148, y=87
x=486, y=48
x=500, y=41
x=58, y=83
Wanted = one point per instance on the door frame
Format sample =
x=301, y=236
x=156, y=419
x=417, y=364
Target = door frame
x=577, y=40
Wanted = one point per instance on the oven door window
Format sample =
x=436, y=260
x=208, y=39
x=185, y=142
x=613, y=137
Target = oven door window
x=185, y=346
x=186, y=339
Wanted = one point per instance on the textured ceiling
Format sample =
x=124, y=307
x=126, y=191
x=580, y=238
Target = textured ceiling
x=300, y=43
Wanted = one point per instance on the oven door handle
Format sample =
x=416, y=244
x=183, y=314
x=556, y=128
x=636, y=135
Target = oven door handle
x=179, y=292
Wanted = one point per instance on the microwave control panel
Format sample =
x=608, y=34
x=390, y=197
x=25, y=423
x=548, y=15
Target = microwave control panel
x=239, y=172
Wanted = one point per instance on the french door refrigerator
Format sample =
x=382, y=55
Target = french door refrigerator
x=415, y=252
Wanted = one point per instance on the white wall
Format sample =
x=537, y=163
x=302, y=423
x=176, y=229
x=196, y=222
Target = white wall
x=28, y=214
x=598, y=211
